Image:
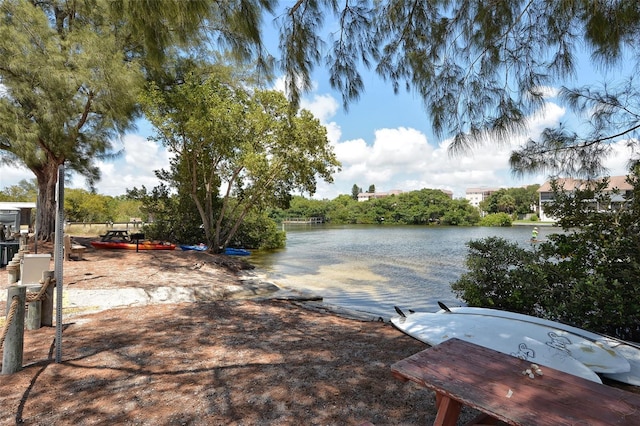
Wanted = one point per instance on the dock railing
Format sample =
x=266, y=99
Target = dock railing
x=303, y=220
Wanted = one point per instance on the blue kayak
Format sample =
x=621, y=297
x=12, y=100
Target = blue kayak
x=199, y=247
x=236, y=252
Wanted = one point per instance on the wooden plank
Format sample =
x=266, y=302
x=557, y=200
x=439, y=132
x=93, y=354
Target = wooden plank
x=493, y=383
x=448, y=412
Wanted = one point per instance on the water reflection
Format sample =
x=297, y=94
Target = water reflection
x=374, y=268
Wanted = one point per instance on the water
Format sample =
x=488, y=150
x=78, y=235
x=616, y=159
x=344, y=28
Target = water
x=374, y=268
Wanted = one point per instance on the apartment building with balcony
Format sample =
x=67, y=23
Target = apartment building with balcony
x=616, y=183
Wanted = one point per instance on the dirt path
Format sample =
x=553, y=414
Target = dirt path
x=214, y=359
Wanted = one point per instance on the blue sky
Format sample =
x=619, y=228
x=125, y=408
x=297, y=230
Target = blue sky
x=383, y=140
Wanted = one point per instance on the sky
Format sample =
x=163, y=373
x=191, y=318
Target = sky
x=383, y=140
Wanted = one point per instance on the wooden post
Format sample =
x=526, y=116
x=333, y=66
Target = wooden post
x=13, y=347
x=34, y=309
x=46, y=314
x=17, y=260
x=13, y=270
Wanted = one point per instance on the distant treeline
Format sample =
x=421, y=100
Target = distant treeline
x=81, y=205
x=423, y=207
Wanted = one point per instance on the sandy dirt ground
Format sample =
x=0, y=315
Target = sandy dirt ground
x=186, y=338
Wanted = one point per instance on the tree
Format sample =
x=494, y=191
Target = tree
x=526, y=199
x=355, y=190
x=172, y=218
x=585, y=275
x=24, y=191
x=68, y=92
x=236, y=151
x=372, y=189
x=422, y=207
x=71, y=72
x=482, y=66
x=496, y=219
x=510, y=200
x=506, y=204
x=83, y=206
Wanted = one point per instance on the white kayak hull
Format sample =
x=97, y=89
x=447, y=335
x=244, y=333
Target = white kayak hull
x=434, y=329
x=627, y=350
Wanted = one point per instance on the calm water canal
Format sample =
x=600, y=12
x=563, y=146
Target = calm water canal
x=373, y=268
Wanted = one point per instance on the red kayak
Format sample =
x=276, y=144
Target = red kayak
x=124, y=245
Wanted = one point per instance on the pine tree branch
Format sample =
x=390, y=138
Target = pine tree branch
x=85, y=113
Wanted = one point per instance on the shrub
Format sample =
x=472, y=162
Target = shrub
x=501, y=275
x=586, y=276
x=496, y=219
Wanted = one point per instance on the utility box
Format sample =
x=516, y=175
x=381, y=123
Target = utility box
x=32, y=267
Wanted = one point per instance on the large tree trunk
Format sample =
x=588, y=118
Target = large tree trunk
x=47, y=178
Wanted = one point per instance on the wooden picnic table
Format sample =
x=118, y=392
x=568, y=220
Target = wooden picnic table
x=464, y=374
x=116, y=235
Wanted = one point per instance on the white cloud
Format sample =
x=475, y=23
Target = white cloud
x=12, y=175
x=617, y=162
x=140, y=159
x=547, y=116
x=323, y=107
x=548, y=91
x=133, y=169
x=402, y=158
x=395, y=158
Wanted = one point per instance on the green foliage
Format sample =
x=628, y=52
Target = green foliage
x=496, y=219
x=258, y=231
x=304, y=207
x=586, y=275
x=170, y=217
x=83, y=206
x=342, y=210
x=160, y=208
x=153, y=31
x=71, y=72
x=483, y=67
x=512, y=200
x=25, y=191
x=235, y=151
x=68, y=91
x=496, y=276
x=460, y=213
x=423, y=207
x=355, y=190
x=176, y=219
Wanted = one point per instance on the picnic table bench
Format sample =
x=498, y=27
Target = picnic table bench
x=464, y=374
x=72, y=249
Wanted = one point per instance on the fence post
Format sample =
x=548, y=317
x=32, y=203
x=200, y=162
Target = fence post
x=13, y=347
x=13, y=271
x=34, y=309
x=46, y=314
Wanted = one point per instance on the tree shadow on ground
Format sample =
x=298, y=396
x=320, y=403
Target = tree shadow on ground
x=228, y=362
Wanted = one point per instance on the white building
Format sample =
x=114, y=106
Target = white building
x=619, y=183
x=477, y=195
x=14, y=214
x=365, y=196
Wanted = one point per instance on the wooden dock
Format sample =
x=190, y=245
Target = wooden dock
x=303, y=221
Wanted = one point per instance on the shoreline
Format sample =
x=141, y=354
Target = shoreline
x=235, y=361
